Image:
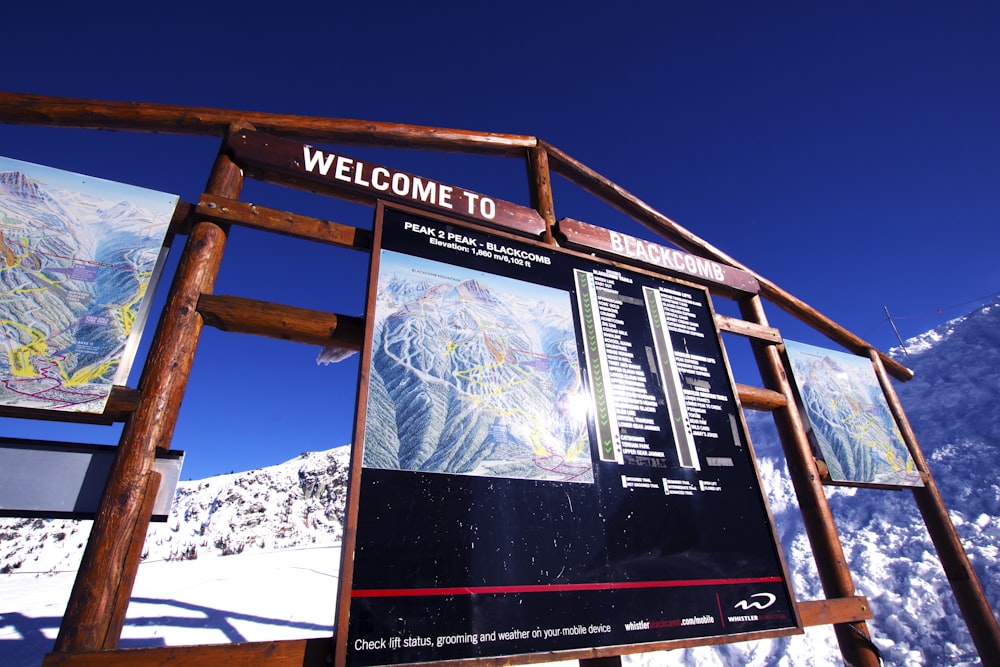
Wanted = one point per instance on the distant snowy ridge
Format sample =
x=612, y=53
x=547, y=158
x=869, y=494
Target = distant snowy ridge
x=928, y=339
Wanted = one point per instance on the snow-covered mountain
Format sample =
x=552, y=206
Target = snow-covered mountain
x=284, y=511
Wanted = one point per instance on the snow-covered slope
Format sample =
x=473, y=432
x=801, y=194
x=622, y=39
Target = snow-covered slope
x=299, y=503
x=283, y=523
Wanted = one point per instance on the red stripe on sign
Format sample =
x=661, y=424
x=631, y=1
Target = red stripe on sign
x=550, y=588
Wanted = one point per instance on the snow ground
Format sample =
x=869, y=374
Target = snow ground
x=211, y=600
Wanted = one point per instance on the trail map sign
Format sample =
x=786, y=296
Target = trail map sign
x=850, y=421
x=553, y=459
x=78, y=255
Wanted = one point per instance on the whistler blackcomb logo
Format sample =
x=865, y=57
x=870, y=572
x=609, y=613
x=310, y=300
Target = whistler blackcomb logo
x=765, y=601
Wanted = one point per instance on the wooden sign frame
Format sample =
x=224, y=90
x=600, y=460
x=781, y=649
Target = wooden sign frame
x=91, y=627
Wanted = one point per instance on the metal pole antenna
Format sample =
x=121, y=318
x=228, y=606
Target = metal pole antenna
x=898, y=337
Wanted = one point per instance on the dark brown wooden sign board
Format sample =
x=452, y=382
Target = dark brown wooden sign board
x=489, y=520
x=297, y=163
x=615, y=245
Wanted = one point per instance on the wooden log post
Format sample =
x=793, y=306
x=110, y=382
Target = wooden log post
x=831, y=563
x=541, y=189
x=133, y=557
x=972, y=602
x=106, y=573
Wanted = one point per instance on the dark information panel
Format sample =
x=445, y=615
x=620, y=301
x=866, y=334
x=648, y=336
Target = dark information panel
x=553, y=459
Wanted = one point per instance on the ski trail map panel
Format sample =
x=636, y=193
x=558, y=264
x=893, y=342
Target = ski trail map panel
x=78, y=258
x=553, y=459
x=850, y=422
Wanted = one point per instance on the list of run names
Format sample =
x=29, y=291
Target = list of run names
x=635, y=390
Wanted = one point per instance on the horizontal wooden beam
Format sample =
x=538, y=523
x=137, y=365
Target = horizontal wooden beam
x=834, y=611
x=314, y=652
x=753, y=330
x=244, y=214
x=121, y=402
x=757, y=398
x=300, y=325
x=24, y=109
x=289, y=653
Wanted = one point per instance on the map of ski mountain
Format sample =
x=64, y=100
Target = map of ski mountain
x=474, y=374
x=76, y=257
x=850, y=418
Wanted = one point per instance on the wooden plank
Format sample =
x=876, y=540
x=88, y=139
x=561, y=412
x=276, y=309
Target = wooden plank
x=121, y=402
x=288, y=653
x=123, y=594
x=588, y=179
x=753, y=330
x=23, y=109
x=281, y=222
x=834, y=611
x=757, y=398
x=285, y=161
x=591, y=238
x=300, y=325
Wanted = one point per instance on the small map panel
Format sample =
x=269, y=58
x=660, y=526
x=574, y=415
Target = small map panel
x=77, y=255
x=850, y=420
x=463, y=360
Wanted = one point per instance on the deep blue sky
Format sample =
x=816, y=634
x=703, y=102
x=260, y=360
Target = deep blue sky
x=847, y=151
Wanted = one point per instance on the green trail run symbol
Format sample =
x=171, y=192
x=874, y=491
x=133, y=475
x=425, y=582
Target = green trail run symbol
x=593, y=351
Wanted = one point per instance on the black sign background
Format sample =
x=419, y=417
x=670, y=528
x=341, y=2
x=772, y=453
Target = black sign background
x=457, y=566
